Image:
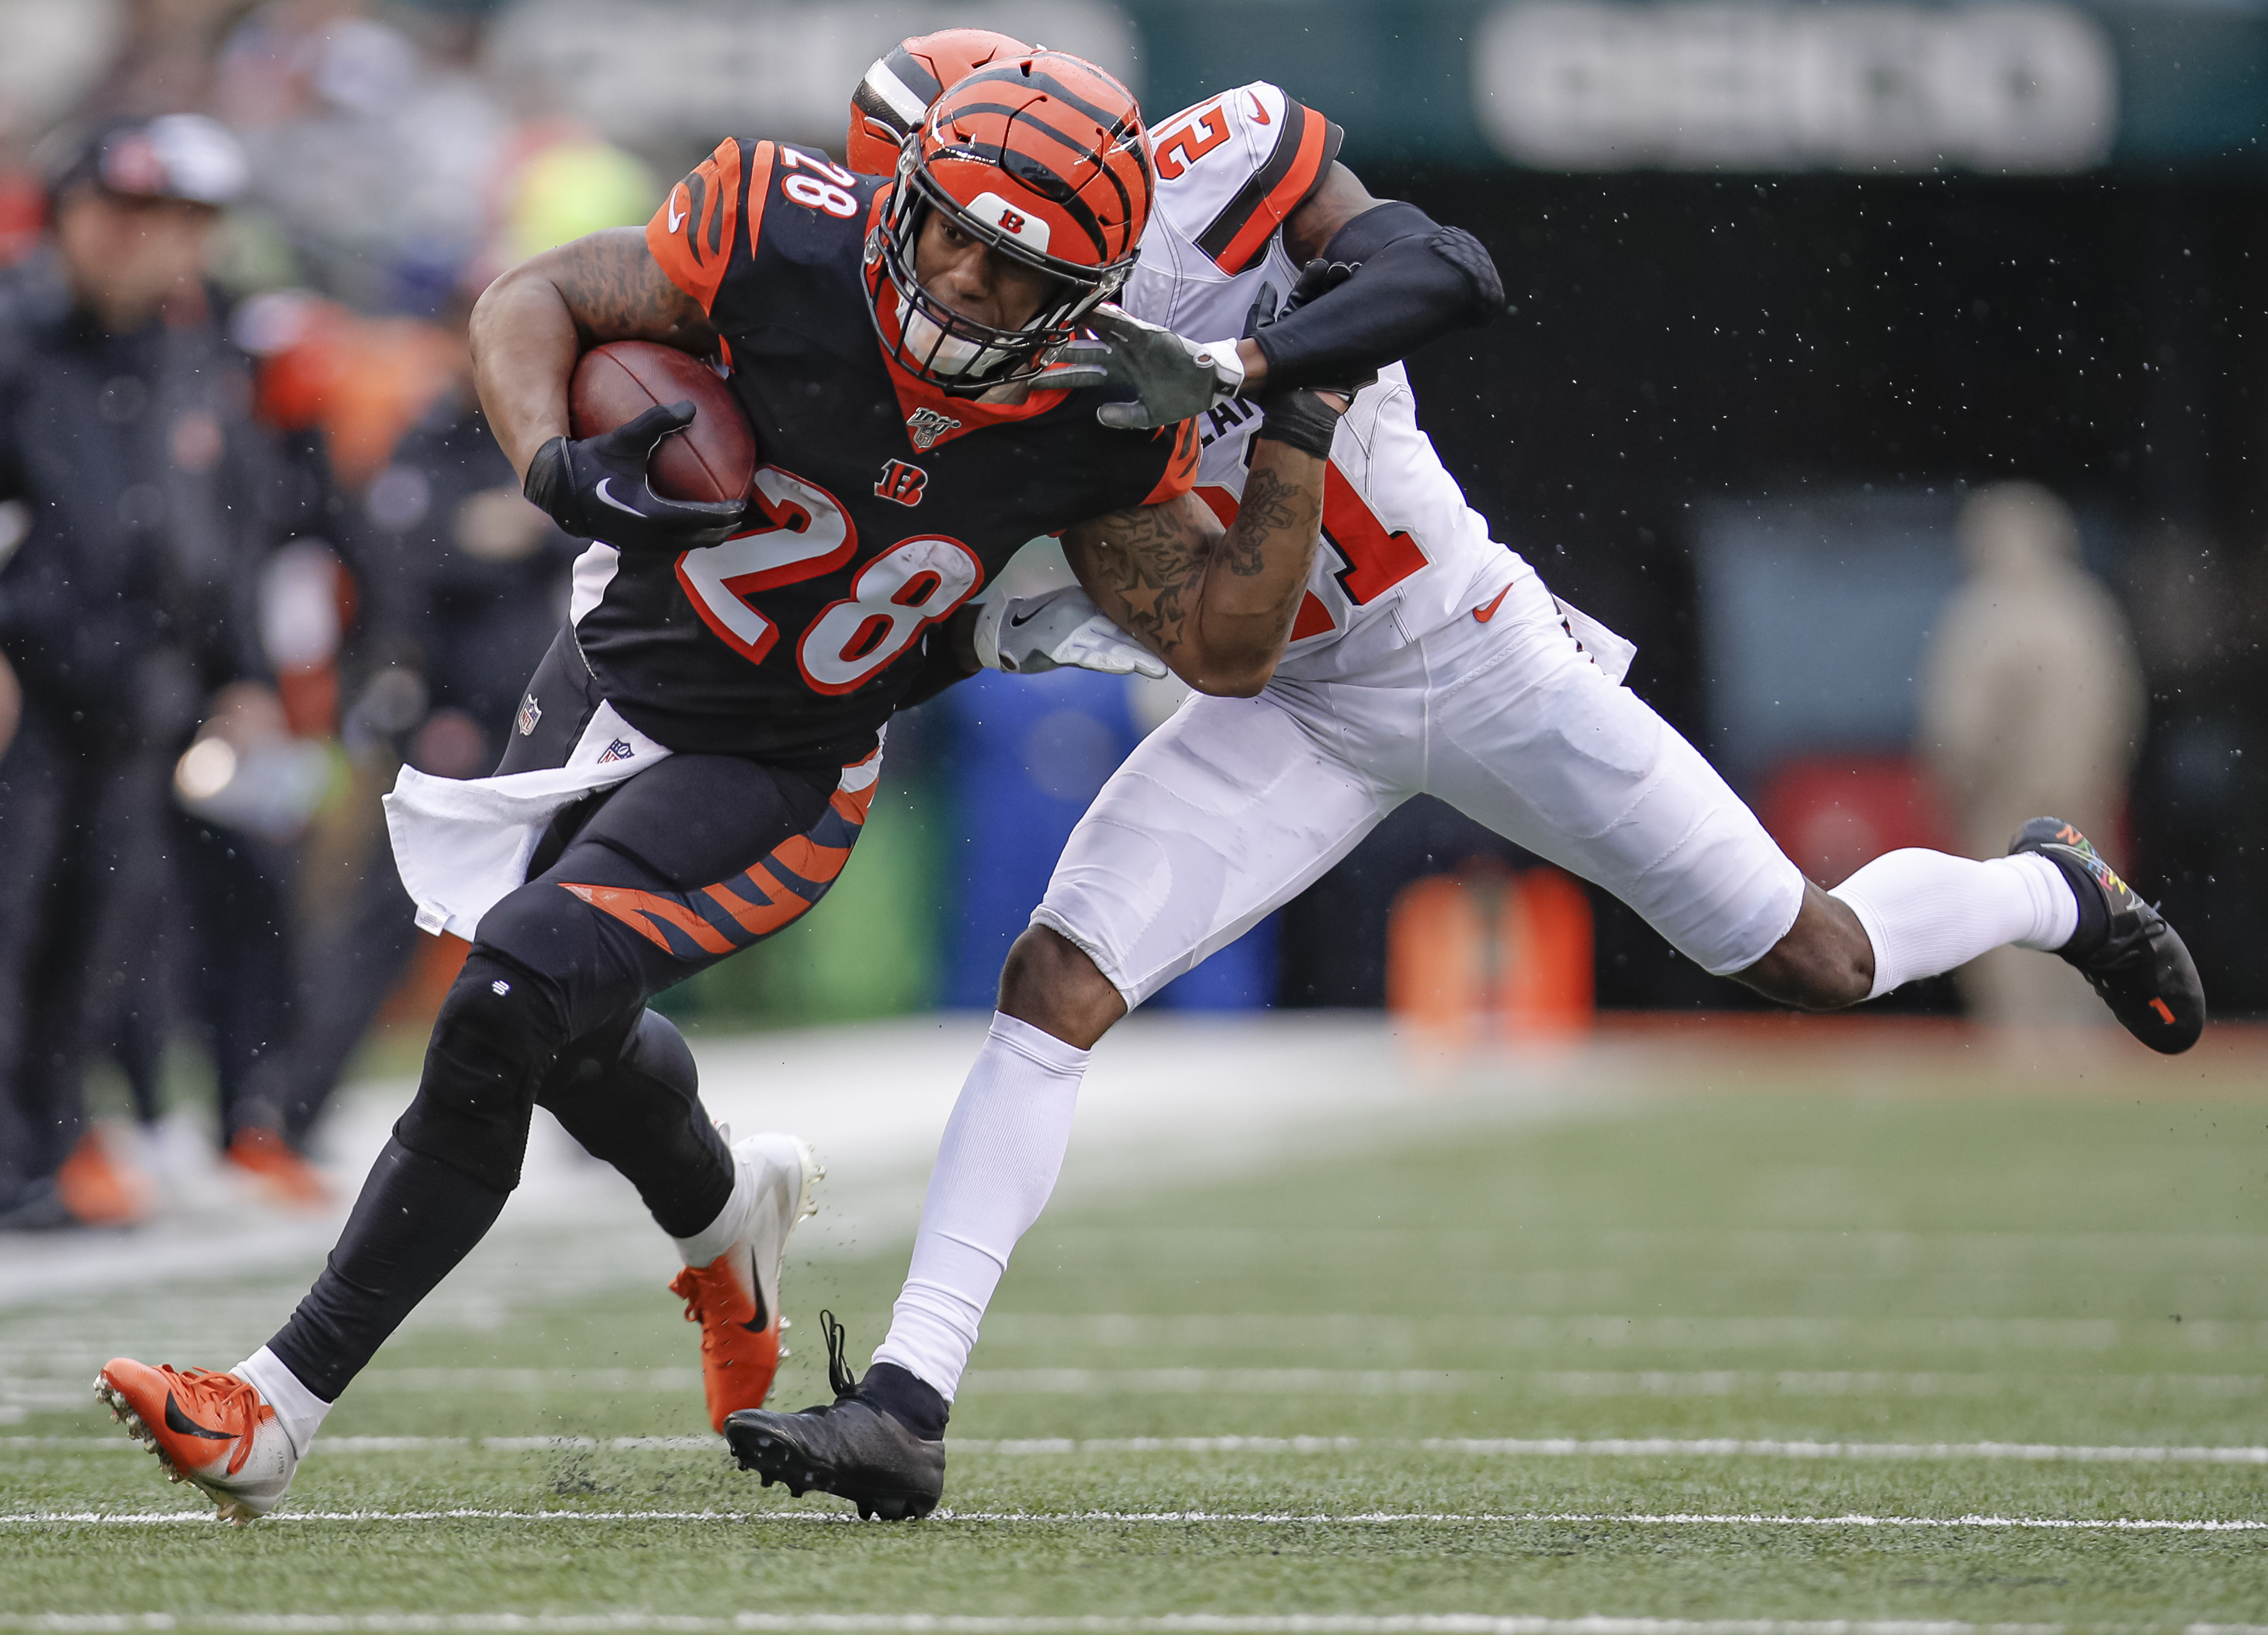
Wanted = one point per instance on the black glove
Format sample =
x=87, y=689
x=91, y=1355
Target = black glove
x=1294, y=414
x=597, y=489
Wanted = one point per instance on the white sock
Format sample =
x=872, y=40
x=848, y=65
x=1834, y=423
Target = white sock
x=1003, y=1148
x=732, y=1221
x=1927, y=912
x=298, y=1409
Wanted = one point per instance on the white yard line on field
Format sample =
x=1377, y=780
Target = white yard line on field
x=1517, y=1447
x=979, y=1623
x=1536, y=1330
x=1384, y=1381
x=1369, y=1518
x=1587, y=1382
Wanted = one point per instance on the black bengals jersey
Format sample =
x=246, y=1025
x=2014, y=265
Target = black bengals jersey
x=880, y=506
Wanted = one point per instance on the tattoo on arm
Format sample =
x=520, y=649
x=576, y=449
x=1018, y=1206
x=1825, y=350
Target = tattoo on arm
x=616, y=293
x=1268, y=505
x=1145, y=568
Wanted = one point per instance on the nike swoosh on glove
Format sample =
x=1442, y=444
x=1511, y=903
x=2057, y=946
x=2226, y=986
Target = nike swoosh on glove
x=1025, y=635
x=1172, y=378
x=597, y=488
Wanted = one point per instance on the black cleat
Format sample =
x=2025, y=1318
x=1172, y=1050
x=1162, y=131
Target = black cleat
x=855, y=1447
x=2123, y=946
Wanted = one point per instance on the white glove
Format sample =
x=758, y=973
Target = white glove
x=1172, y=378
x=1025, y=635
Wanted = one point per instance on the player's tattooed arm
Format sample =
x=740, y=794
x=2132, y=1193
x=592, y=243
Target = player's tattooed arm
x=533, y=322
x=1216, y=605
x=1145, y=568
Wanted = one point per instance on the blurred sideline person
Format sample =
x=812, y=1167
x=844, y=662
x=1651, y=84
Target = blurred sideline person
x=1424, y=657
x=125, y=427
x=461, y=586
x=2032, y=701
x=691, y=761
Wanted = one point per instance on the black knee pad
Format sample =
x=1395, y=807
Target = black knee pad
x=499, y=1032
x=658, y=1056
x=631, y=1096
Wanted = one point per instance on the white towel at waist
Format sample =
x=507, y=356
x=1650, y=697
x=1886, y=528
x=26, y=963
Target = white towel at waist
x=462, y=844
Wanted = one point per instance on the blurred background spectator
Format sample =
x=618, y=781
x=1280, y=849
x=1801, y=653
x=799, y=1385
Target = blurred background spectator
x=1796, y=293
x=149, y=493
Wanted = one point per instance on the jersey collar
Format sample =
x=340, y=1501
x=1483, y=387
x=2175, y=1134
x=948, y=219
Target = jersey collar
x=932, y=417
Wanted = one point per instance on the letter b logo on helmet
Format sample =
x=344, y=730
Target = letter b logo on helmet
x=1041, y=158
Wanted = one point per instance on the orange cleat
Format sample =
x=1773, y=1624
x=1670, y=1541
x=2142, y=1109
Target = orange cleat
x=735, y=1297
x=282, y=1176
x=96, y=1189
x=210, y=1429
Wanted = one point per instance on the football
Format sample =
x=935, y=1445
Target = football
x=713, y=459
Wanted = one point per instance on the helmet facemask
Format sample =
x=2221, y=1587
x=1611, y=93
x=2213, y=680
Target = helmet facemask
x=960, y=354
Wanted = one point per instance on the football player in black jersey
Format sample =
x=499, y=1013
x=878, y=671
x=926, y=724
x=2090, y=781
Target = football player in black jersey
x=890, y=341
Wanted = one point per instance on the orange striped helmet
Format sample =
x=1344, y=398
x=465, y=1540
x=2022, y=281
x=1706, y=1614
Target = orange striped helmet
x=1040, y=157
x=894, y=98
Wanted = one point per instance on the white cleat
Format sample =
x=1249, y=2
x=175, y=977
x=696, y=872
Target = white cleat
x=735, y=1297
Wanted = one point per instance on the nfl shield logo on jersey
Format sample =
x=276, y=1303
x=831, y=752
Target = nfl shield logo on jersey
x=927, y=426
x=530, y=713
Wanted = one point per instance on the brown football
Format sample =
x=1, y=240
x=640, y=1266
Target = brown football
x=714, y=458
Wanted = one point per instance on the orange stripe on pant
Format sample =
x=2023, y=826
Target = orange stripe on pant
x=777, y=905
x=639, y=909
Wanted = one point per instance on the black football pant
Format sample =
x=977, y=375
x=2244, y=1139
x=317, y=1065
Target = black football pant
x=633, y=890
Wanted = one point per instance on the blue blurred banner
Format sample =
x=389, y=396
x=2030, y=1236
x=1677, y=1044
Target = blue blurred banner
x=1028, y=754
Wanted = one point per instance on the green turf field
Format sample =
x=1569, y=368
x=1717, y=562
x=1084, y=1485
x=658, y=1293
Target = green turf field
x=1926, y=1354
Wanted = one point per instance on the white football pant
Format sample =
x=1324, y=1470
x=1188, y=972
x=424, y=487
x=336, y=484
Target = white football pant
x=1235, y=806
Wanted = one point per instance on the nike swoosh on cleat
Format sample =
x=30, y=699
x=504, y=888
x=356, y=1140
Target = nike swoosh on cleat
x=762, y=1319
x=178, y=1421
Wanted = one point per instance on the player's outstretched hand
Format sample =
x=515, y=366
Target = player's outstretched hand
x=1172, y=378
x=597, y=489
x=1028, y=634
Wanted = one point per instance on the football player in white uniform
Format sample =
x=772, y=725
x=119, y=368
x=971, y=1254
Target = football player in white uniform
x=1424, y=657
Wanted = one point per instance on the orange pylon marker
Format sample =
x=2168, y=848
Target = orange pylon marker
x=1436, y=956
x=1544, y=987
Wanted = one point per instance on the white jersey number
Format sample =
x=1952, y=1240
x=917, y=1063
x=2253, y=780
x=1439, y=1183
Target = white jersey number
x=894, y=597
x=911, y=586
x=807, y=535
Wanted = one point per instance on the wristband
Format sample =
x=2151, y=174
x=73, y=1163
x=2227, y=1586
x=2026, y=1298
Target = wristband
x=1298, y=417
x=551, y=484
x=1228, y=367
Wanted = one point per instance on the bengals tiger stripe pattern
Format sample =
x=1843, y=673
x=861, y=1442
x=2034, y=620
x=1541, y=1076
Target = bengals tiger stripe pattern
x=757, y=902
